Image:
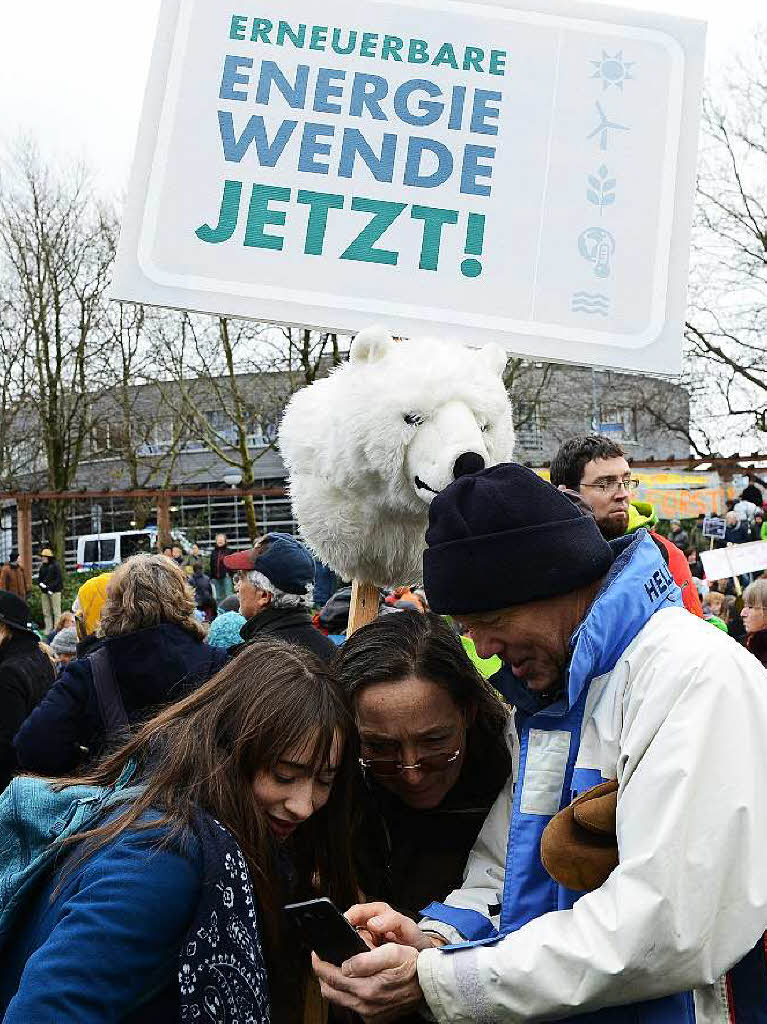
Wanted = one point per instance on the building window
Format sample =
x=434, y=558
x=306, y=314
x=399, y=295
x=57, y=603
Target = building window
x=528, y=426
x=269, y=429
x=618, y=423
x=163, y=433
x=99, y=438
x=222, y=424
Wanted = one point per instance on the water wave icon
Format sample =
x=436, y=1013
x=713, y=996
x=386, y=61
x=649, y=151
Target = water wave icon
x=591, y=303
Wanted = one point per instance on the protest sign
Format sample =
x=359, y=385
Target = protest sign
x=735, y=560
x=715, y=527
x=522, y=174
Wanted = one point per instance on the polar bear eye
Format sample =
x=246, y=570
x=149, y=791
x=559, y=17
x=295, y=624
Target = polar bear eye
x=484, y=427
x=413, y=419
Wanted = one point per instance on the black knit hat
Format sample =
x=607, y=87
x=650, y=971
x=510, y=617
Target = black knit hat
x=504, y=537
x=14, y=612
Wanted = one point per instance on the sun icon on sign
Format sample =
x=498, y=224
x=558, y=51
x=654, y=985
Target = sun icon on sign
x=612, y=70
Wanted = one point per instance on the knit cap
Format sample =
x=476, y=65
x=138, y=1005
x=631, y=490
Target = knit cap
x=503, y=537
x=90, y=600
x=225, y=630
x=65, y=641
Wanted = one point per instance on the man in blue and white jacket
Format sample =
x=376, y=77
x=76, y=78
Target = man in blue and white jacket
x=611, y=679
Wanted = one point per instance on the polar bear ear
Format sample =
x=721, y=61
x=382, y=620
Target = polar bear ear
x=371, y=345
x=494, y=357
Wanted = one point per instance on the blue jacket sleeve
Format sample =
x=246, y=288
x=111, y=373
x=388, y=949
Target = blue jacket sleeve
x=116, y=936
x=49, y=740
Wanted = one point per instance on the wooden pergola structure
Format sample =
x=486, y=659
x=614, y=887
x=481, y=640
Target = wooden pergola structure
x=163, y=497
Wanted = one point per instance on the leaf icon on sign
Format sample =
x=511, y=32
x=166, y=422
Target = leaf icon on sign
x=601, y=188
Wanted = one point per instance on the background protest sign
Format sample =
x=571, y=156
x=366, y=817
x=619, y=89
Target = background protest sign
x=518, y=174
x=715, y=527
x=735, y=560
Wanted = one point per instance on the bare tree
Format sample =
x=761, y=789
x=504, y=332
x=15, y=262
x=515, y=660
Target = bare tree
x=223, y=388
x=56, y=258
x=129, y=422
x=19, y=444
x=307, y=354
x=725, y=332
x=529, y=384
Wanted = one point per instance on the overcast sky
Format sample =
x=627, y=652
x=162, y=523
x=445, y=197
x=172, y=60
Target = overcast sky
x=72, y=74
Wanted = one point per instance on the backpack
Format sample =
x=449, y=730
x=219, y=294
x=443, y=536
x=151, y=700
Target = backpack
x=112, y=713
x=35, y=819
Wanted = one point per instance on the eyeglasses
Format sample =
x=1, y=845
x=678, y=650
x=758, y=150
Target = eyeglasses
x=389, y=767
x=613, y=484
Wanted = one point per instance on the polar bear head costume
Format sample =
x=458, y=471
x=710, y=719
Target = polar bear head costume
x=368, y=447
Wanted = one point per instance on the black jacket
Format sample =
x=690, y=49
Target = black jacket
x=735, y=535
x=217, y=568
x=294, y=625
x=25, y=675
x=409, y=857
x=203, y=589
x=757, y=644
x=152, y=667
x=49, y=578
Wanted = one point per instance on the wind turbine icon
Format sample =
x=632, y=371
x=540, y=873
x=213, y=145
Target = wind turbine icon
x=605, y=126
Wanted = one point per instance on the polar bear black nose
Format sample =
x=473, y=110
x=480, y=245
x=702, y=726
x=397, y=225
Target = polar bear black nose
x=468, y=463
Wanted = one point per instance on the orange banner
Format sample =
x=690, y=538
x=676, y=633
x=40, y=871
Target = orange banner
x=684, y=504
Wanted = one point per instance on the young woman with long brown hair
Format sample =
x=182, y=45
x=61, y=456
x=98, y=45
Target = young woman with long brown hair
x=222, y=808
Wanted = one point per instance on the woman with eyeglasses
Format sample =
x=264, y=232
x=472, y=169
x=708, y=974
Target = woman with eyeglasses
x=433, y=753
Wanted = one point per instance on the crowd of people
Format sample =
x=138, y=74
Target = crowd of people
x=204, y=748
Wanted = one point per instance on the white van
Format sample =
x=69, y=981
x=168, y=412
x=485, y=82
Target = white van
x=108, y=550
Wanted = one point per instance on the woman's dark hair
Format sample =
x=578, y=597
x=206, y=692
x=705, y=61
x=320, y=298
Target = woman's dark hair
x=409, y=643
x=204, y=752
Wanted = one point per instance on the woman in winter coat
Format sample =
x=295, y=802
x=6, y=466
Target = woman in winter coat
x=754, y=615
x=150, y=645
x=736, y=530
x=25, y=675
x=12, y=576
x=203, y=591
x=219, y=574
x=51, y=584
x=758, y=529
x=167, y=906
x=433, y=751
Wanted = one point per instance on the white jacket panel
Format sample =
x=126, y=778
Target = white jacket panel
x=682, y=719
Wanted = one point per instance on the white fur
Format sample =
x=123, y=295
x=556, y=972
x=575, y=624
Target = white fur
x=353, y=460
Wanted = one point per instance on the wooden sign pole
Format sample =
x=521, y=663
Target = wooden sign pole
x=735, y=577
x=363, y=607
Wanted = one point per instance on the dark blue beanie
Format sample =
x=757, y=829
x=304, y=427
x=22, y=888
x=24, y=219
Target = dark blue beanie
x=504, y=537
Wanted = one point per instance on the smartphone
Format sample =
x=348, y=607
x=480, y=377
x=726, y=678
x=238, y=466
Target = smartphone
x=325, y=930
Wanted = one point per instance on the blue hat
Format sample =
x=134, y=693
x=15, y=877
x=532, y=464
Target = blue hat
x=225, y=630
x=281, y=558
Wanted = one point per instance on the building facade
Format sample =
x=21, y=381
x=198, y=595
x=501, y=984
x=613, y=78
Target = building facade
x=156, y=442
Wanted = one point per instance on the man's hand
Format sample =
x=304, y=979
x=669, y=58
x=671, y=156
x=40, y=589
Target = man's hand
x=380, y=986
x=383, y=925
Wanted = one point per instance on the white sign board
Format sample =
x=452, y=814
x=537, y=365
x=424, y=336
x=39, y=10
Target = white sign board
x=713, y=526
x=519, y=173
x=735, y=560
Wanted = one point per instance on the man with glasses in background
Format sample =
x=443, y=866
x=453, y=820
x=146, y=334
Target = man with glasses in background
x=596, y=470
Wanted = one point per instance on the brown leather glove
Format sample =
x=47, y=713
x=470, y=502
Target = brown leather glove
x=579, y=848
